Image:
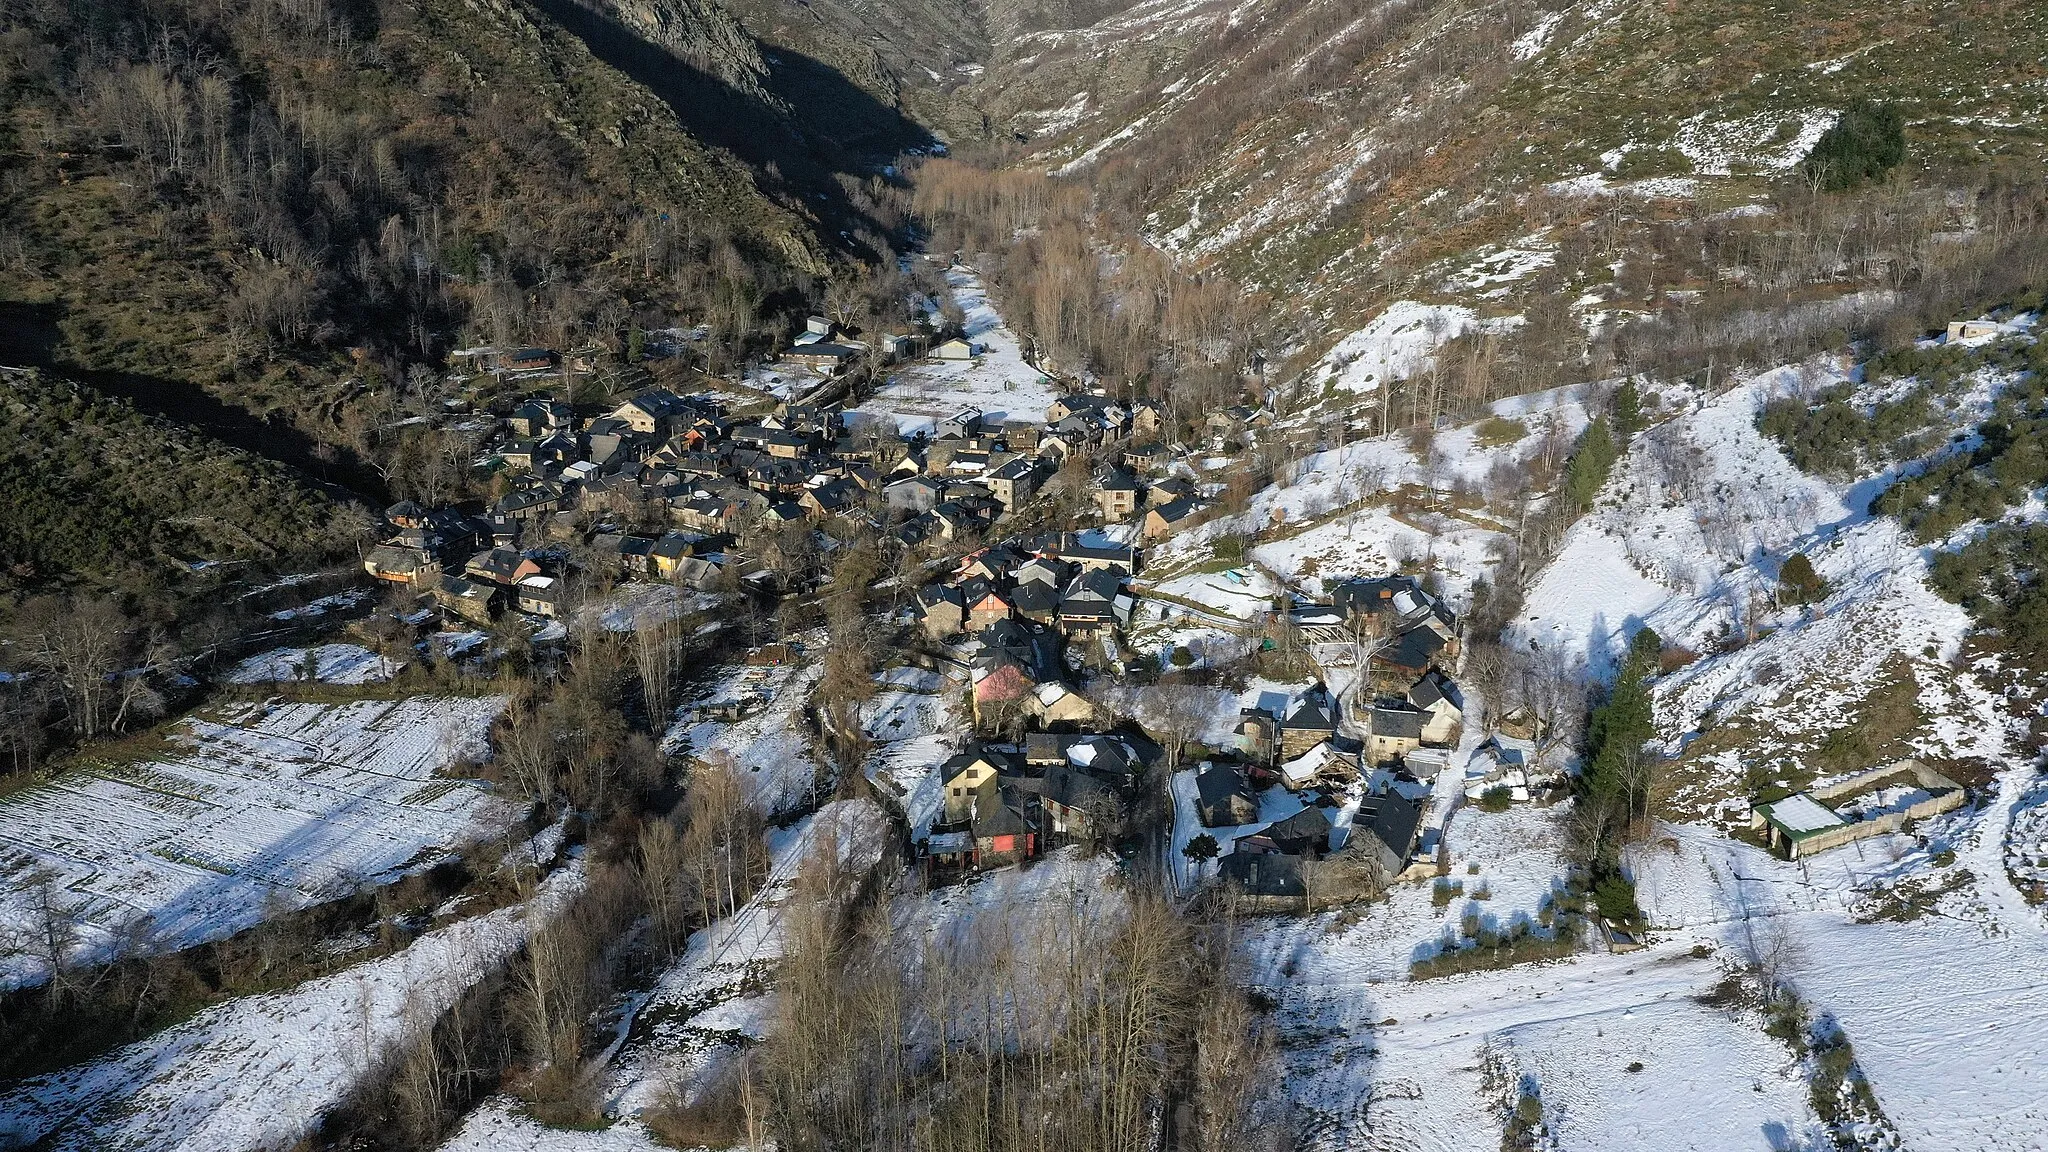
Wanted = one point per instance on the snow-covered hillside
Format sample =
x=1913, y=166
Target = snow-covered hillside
x=286, y=804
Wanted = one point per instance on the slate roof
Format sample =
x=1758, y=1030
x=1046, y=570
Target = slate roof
x=1397, y=723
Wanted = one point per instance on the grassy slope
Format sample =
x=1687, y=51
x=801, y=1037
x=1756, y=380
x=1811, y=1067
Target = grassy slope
x=95, y=489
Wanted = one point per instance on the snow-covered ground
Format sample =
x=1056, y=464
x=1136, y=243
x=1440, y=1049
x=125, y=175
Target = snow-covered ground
x=1622, y=1050
x=257, y=1073
x=296, y=803
x=914, y=720
x=998, y=382
x=1397, y=344
x=714, y=999
x=768, y=744
x=326, y=663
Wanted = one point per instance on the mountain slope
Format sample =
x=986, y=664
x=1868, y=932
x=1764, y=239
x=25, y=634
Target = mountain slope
x=257, y=201
x=94, y=489
x=1344, y=153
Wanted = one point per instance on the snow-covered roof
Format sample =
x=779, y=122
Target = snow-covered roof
x=1800, y=814
x=1309, y=764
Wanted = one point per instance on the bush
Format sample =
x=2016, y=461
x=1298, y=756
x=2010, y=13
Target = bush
x=1798, y=583
x=1496, y=799
x=1615, y=897
x=1498, y=430
x=1866, y=141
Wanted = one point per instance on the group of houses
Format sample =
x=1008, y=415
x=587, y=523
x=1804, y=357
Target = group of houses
x=1378, y=744
x=1004, y=803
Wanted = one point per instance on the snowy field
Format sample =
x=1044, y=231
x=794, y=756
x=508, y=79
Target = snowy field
x=296, y=803
x=325, y=663
x=914, y=721
x=769, y=744
x=999, y=382
x=1938, y=1007
x=1400, y=342
x=257, y=1073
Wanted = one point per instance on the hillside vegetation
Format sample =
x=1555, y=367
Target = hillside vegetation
x=94, y=488
x=1592, y=168
x=259, y=199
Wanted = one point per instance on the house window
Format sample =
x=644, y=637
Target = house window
x=959, y=791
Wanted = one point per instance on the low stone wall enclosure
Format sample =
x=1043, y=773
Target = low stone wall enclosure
x=1943, y=794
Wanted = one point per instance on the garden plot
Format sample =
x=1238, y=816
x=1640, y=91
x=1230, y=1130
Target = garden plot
x=998, y=382
x=297, y=803
x=768, y=742
x=325, y=664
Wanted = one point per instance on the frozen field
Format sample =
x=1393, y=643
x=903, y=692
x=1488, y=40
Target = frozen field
x=999, y=383
x=298, y=802
x=259, y=1072
x=326, y=663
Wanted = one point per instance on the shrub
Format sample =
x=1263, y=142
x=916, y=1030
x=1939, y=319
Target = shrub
x=1498, y=430
x=1497, y=799
x=1798, y=583
x=1615, y=897
x=1866, y=141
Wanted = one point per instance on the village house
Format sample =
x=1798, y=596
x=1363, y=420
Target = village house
x=1076, y=805
x=985, y=604
x=941, y=610
x=539, y=595
x=656, y=412
x=1092, y=602
x=914, y=495
x=1444, y=706
x=534, y=419
x=958, y=426
x=1309, y=721
x=1396, y=730
x=830, y=359
x=1055, y=703
x=956, y=349
x=527, y=360
x=1003, y=834
x=501, y=566
x=1224, y=797
x=1322, y=765
x=1387, y=825
x=966, y=776
x=1148, y=457
x=1119, y=556
x=1306, y=833
x=1014, y=482
x=1116, y=495
x=1032, y=600
x=1165, y=519
x=398, y=564
x=1257, y=736
x=473, y=601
